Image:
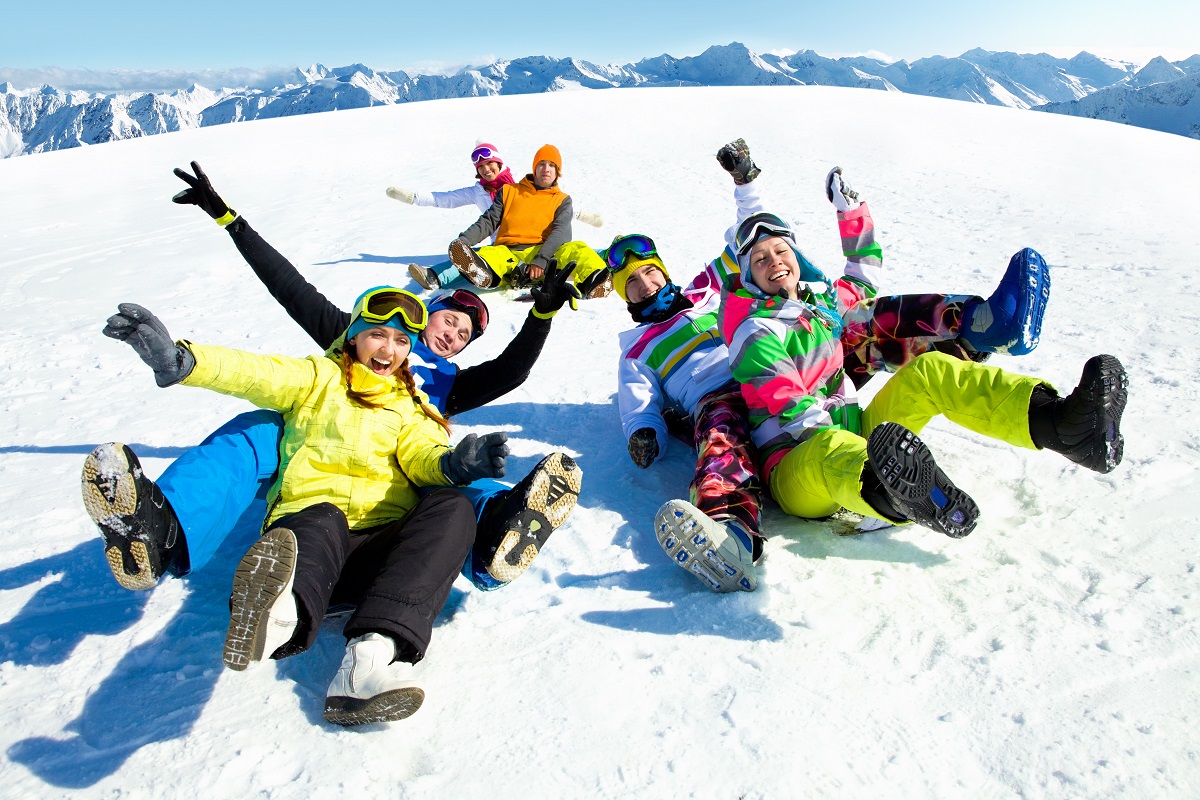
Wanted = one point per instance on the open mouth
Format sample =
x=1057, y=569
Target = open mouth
x=380, y=366
x=778, y=275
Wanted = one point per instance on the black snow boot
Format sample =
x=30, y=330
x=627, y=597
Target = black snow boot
x=1085, y=426
x=522, y=520
x=902, y=482
x=143, y=539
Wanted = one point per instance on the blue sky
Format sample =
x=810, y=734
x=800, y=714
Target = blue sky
x=71, y=35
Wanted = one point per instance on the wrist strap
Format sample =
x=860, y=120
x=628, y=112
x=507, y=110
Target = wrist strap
x=229, y=216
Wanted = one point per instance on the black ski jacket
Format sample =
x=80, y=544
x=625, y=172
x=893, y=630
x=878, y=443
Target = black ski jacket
x=324, y=322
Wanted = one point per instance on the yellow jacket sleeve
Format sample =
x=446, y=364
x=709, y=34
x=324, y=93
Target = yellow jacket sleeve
x=280, y=383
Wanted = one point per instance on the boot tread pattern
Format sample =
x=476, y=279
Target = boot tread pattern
x=386, y=707
x=468, y=263
x=110, y=499
x=549, y=500
x=908, y=472
x=257, y=583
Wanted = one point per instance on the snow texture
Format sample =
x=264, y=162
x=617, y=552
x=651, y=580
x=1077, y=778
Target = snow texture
x=1051, y=654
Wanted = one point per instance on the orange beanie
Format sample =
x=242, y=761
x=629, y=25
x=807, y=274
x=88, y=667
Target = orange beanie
x=548, y=152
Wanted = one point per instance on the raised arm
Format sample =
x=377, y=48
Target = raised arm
x=481, y=384
x=319, y=318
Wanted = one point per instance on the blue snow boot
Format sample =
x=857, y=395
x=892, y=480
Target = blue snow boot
x=903, y=483
x=1010, y=321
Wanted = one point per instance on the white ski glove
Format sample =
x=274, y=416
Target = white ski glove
x=403, y=195
x=595, y=220
x=839, y=192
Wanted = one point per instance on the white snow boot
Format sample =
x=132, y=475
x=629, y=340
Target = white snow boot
x=368, y=687
x=262, y=609
x=719, y=554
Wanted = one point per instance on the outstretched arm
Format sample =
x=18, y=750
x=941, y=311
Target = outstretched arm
x=312, y=311
x=319, y=318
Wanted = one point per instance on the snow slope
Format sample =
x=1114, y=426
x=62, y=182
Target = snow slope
x=1053, y=653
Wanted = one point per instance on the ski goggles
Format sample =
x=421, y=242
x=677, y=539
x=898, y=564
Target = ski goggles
x=382, y=304
x=468, y=303
x=485, y=153
x=623, y=248
x=760, y=226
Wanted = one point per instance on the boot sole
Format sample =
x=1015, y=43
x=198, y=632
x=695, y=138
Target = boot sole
x=110, y=498
x=1110, y=389
x=908, y=472
x=423, y=277
x=684, y=535
x=387, y=707
x=549, y=501
x=258, y=581
x=1037, y=277
x=467, y=262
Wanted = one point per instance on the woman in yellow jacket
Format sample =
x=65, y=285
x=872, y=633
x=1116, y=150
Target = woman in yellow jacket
x=345, y=521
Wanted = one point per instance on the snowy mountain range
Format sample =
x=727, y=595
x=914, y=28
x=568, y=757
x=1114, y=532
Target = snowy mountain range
x=1161, y=95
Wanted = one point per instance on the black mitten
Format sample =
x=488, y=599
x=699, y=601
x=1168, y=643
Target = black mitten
x=643, y=447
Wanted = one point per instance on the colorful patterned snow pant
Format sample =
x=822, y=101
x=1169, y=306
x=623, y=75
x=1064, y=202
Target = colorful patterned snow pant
x=885, y=333
x=727, y=485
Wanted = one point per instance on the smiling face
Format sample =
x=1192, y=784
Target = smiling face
x=544, y=174
x=488, y=170
x=773, y=266
x=643, y=282
x=448, y=332
x=382, y=349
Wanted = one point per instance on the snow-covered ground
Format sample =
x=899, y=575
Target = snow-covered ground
x=1053, y=653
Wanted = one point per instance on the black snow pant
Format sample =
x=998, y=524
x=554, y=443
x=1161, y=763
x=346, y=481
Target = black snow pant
x=398, y=574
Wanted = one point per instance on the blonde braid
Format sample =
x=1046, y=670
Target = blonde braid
x=405, y=375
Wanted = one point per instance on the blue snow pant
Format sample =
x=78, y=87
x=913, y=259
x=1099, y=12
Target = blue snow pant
x=213, y=484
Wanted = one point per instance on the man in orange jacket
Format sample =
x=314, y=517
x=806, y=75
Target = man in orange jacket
x=531, y=220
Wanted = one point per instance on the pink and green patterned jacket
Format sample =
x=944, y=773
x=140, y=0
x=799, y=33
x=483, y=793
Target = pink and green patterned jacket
x=786, y=354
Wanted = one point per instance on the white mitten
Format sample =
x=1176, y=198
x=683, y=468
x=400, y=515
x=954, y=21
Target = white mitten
x=403, y=195
x=595, y=220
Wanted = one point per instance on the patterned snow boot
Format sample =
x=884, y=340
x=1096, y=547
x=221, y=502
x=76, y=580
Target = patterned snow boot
x=719, y=554
x=1010, y=321
x=143, y=539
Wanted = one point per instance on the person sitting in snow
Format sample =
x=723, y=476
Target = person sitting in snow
x=784, y=323
x=675, y=368
x=175, y=525
x=346, y=524
x=531, y=223
x=492, y=175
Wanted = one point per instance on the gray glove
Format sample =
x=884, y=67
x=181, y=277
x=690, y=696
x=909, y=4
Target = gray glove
x=476, y=457
x=643, y=447
x=149, y=339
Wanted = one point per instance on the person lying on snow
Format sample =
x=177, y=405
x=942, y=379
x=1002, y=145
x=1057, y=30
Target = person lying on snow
x=785, y=328
x=491, y=175
x=674, y=371
x=175, y=525
x=345, y=522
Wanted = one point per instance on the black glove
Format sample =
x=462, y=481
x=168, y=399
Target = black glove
x=476, y=457
x=643, y=447
x=203, y=195
x=735, y=159
x=150, y=340
x=598, y=284
x=556, y=291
